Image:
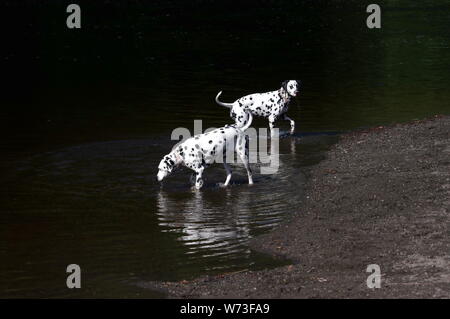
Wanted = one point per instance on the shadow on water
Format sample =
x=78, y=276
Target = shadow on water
x=88, y=115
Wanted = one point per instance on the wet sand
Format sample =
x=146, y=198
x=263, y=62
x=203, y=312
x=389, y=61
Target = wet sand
x=382, y=196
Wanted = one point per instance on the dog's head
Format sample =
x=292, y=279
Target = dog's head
x=292, y=87
x=166, y=166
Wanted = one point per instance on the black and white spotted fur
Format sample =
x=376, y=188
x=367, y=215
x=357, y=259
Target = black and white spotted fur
x=271, y=105
x=202, y=150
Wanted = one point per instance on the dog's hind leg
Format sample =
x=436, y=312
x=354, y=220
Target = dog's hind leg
x=272, y=126
x=243, y=152
x=227, y=168
x=192, y=179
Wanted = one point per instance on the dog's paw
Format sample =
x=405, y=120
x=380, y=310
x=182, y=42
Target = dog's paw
x=222, y=185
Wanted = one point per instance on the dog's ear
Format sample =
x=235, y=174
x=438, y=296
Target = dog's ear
x=284, y=85
x=298, y=83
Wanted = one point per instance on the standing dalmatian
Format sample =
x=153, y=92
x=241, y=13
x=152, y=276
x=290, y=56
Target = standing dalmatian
x=271, y=105
x=202, y=150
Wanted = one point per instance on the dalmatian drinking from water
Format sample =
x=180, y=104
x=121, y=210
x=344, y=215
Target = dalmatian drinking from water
x=272, y=105
x=200, y=151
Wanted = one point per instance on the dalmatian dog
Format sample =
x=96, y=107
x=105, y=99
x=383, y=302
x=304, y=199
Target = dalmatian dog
x=271, y=105
x=202, y=150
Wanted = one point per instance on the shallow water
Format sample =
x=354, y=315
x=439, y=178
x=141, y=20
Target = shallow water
x=80, y=151
x=98, y=205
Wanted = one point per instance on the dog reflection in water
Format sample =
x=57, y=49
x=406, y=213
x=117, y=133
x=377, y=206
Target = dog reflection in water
x=201, y=222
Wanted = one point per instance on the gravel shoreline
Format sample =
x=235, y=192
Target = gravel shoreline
x=382, y=196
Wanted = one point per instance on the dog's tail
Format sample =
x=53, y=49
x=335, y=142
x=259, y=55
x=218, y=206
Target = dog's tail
x=228, y=105
x=249, y=121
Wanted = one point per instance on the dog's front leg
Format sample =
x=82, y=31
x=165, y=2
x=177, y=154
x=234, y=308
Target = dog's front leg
x=291, y=121
x=229, y=172
x=198, y=177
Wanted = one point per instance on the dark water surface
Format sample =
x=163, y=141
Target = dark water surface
x=88, y=115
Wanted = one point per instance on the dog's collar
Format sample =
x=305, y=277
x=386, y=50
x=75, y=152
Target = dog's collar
x=178, y=158
x=285, y=94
